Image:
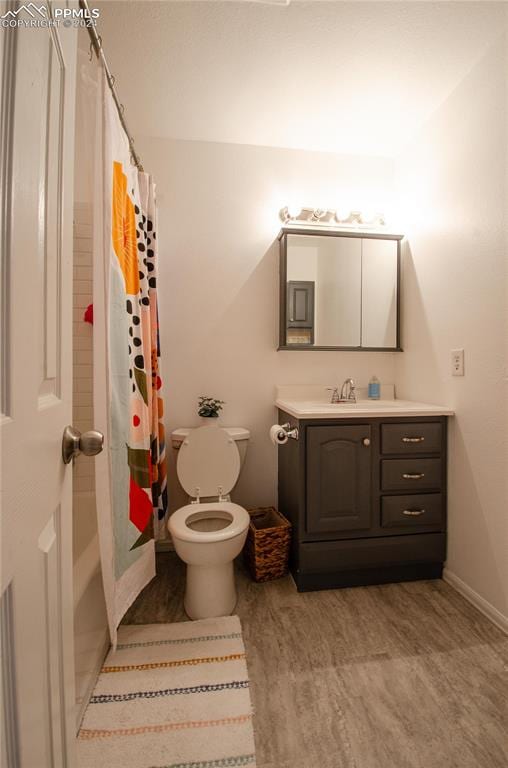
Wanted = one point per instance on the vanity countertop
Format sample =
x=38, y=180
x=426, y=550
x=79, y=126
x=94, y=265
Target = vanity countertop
x=314, y=409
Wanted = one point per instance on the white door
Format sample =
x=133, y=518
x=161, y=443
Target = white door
x=37, y=135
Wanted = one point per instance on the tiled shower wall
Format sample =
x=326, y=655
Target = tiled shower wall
x=90, y=625
x=82, y=408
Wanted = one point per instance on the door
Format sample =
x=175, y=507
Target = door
x=338, y=478
x=37, y=136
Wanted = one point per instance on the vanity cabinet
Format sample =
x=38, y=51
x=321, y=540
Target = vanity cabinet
x=367, y=499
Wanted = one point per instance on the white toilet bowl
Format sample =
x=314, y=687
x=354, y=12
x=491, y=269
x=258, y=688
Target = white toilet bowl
x=209, y=535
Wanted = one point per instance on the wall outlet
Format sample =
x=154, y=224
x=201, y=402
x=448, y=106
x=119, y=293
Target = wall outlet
x=457, y=362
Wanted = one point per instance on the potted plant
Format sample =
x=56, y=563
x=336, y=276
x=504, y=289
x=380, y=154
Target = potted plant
x=209, y=407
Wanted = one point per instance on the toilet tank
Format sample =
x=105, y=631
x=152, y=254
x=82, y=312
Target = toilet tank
x=239, y=434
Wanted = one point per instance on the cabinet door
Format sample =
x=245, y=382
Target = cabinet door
x=338, y=478
x=300, y=304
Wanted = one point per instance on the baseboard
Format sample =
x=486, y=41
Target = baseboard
x=488, y=610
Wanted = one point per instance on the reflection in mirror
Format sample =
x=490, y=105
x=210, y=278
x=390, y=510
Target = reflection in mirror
x=330, y=268
x=379, y=293
x=339, y=291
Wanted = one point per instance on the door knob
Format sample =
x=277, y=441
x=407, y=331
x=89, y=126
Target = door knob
x=366, y=441
x=73, y=443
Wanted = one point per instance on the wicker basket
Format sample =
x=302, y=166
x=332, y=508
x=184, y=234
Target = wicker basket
x=267, y=547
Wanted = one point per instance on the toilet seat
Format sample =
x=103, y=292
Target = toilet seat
x=208, y=463
x=179, y=528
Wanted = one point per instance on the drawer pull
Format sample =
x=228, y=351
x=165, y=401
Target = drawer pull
x=413, y=439
x=413, y=476
x=413, y=512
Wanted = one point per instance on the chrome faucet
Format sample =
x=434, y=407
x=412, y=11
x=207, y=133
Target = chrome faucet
x=347, y=393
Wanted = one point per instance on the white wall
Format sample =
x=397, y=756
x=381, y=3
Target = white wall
x=453, y=184
x=218, y=284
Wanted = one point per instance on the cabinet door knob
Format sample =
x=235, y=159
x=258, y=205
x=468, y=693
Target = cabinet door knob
x=366, y=441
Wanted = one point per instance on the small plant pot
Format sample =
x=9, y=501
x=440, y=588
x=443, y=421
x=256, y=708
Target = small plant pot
x=209, y=421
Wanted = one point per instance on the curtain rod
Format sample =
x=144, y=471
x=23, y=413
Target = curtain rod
x=96, y=44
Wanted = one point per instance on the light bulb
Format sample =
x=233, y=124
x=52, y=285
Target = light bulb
x=368, y=216
x=317, y=214
x=294, y=211
x=341, y=214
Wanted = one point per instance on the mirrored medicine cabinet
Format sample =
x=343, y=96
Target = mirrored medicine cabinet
x=339, y=290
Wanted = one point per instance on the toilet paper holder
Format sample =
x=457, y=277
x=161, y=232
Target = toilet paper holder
x=290, y=431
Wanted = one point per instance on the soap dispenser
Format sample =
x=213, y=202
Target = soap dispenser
x=374, y=392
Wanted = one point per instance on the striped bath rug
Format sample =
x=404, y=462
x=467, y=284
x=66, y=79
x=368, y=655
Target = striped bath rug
x=171, y=696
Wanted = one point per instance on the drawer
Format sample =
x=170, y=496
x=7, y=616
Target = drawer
x=423, y=437
x=410, y=474
x=415, y=511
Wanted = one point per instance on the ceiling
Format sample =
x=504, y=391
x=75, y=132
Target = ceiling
x=348, y=77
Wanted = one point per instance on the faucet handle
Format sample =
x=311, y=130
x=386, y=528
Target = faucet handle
x=335, y=394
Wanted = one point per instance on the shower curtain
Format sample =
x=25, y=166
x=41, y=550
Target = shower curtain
x=131, y=472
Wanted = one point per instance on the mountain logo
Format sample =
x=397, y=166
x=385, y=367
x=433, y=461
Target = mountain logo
x=30, y=8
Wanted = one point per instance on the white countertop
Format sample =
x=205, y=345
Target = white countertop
x=314, y=409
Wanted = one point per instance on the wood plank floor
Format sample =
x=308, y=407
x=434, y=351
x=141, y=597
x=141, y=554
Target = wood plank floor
x=394, y=676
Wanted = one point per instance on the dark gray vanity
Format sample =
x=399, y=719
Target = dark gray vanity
x=363, y=482
x=366, y=496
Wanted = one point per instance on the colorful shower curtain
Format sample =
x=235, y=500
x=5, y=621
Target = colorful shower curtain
x=131, y=472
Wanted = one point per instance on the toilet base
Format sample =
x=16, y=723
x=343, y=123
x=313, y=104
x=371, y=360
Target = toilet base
x=210, y=591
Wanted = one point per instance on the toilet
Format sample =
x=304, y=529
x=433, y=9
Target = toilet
x=209, y=532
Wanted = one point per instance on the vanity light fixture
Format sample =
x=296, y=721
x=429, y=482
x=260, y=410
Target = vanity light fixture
x=330, y=217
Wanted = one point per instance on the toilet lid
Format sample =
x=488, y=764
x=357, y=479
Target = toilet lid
x=209, y=460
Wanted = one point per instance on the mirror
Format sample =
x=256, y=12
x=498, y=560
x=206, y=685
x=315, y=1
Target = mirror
x=339, y=290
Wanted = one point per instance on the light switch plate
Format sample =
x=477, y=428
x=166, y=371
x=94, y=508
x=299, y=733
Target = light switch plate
x=457, y=362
